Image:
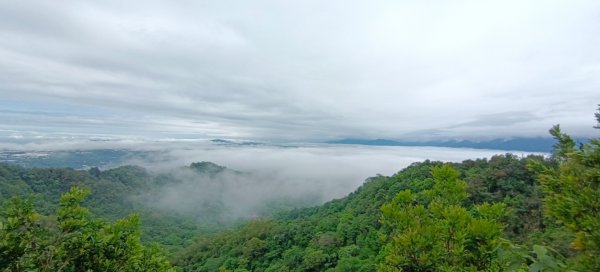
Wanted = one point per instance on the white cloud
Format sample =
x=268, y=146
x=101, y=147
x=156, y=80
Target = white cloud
x=302, y=70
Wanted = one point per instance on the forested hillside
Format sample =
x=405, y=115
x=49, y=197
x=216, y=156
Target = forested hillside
x=503, y=214
x=119, y=192
x=506, y=213
x=353, y=234
x=72, y=240
x=299, y=136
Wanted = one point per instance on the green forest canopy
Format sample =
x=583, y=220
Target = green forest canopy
x=507, y=213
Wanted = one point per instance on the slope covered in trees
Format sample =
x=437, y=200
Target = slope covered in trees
x=71, y=240
x=117, y=193
x=168, y=216
x=503, y=214
x=506, y=213
x=362, y=231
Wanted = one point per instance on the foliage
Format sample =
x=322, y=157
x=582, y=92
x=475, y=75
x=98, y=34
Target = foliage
x=75, y=242
x=346, y=234
x=118, y=192
x=543, y=261
x=505, y=213
x=342, y=235
x=573, y=195
x=430, y=230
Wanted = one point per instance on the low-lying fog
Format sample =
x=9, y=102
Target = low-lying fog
x=305, y=175
x=330, y=170
x=308, y=173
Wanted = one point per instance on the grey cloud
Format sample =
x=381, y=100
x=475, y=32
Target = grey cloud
x=305, y=70
x=501, y=119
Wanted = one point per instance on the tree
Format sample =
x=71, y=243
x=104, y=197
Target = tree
x=597, y=115
x=432, y=231
x=77, y=243
x=572, y=194
x=19, y=236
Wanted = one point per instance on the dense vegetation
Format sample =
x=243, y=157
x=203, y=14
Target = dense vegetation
x=116, y=193
x=72, y=241
x=503, y=214
x=366, y=230
x=506, y=213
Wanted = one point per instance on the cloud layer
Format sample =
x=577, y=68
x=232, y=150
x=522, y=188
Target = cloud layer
x=299, y=70
x=302, y=175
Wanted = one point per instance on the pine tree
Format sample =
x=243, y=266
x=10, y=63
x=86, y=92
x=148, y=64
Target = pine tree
x=433, y=231
x=572, y=194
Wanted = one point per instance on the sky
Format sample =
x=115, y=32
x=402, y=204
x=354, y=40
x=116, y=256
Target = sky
x=298, y=70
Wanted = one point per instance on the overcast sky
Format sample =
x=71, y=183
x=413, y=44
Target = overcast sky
x=299, y=70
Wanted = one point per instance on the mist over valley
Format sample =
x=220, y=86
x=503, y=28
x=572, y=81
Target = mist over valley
x=240, y=180
x=299, y=136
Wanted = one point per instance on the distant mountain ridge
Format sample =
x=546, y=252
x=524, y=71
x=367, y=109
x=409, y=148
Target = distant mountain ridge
x=514, y=144
x=229, y=142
